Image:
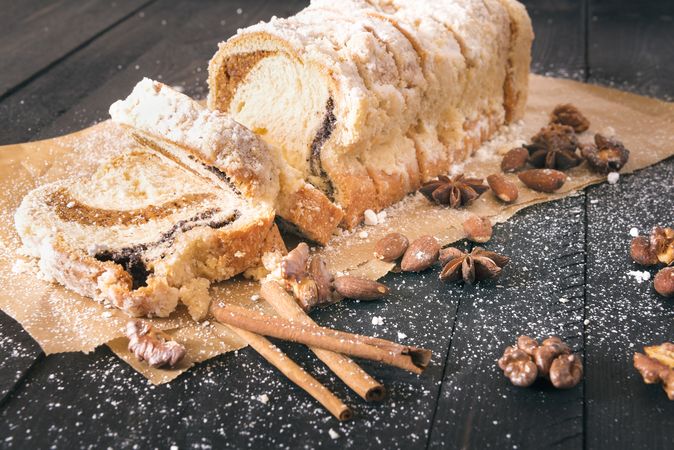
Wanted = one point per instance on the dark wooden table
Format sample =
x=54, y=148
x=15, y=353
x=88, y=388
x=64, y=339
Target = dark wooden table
x=64, y=62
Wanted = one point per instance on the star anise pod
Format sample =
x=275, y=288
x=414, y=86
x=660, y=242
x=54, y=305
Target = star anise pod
x=472, y=267
x=453, y=191
x=554, y=147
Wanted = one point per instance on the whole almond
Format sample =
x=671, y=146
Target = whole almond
x=421, y=254
x=359, y=288
x=504, y=189
x=543, y=180
x=515, y=159
x=664, y=282
x=391, y=247
x=478, y=229
x=642, y=252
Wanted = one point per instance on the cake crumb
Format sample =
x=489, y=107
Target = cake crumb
x=370, y=217
x=363, y=234
x=613, y=177
x=263, y=398
x=333, y=434
x=634, y=232
x=376, y=320
x=401, y=336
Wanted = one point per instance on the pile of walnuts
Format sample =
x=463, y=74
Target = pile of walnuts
x=527, y=361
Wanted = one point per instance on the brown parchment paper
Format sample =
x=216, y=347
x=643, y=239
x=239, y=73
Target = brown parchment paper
x=61, y=321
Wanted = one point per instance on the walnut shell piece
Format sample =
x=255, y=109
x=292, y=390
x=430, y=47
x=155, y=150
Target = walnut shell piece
x=515, y=160
x=566, y=371
x=567, y=114
x=518, y=367
x=642, y=252
x=662, y=242
x=543, y=180
x=391, y=247
x=657, y=366
x=547, y=352
x=153, y=345
x=664, y=282
x=607, y=155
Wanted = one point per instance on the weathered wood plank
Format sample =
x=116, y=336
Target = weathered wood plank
x=36, y=35
x=78, y=400
x=540, y=293
x=403, y=420
x=631, y=46
x=559, y=46
x=69, y=92
x=625, y=314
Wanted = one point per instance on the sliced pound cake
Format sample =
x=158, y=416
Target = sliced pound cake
x=147, y=230
x=366, y=99
x=159, y=114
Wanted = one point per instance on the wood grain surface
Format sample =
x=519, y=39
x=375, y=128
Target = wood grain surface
x=80, y=56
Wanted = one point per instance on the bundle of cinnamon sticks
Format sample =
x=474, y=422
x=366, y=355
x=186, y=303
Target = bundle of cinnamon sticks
x=330, y=346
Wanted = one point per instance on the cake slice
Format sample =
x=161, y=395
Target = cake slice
x=146, y=231
x=162, y=115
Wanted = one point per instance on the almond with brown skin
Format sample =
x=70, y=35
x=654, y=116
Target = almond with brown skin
x=515, y=159
x=543, y=180
x=478, y=229
x=359, y=288
x=504, y=189
x=664, y=282
x=421, y=254
x=391, y=247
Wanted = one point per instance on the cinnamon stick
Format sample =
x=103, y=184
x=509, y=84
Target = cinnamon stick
x=342, y=366
x=405, y=357
x=295, y=373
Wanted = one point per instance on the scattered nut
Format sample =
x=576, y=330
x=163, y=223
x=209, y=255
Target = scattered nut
x=360, y=288
x=152, y=345
x=642, y=252
x=421, y=254
x=607, y=155
x=518, y=367
x=504, y=189
x=657, y=366
x=527, y=344
x=662, y=242
x=567, y=114
x=664, y=282
x=543, y=180
x=515, y=159
x=478, y=229
x=305, y=291
x=391, y=247
x=549, y=349
x=525, y=361
x=566, y=371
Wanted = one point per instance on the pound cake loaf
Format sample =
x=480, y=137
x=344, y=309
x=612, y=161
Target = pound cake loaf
x=150, y=229
x=367, y=99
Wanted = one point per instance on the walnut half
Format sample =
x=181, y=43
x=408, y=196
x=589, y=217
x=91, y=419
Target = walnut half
x=152, y=345
x=657, y=366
